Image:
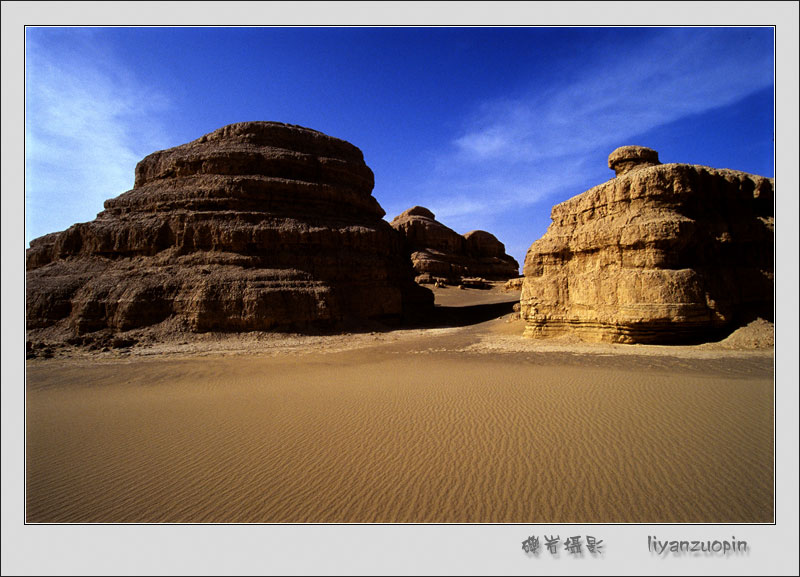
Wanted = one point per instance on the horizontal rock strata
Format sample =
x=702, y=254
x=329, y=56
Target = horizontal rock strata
x=438, y=252
x=255, y=226
x=663, y=253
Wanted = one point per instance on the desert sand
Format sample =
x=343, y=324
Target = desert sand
x=468, y=423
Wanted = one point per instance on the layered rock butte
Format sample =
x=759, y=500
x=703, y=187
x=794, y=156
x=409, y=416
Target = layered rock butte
x=662, y=253
x=255, y=226
x=437, y=251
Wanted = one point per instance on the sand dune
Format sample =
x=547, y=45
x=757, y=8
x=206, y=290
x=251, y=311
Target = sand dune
x=417, y=426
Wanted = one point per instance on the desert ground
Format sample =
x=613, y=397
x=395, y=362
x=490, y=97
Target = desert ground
x=463, y=421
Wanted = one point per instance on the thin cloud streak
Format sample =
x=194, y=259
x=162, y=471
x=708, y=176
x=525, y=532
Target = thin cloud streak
x=87, y=122
x=520, y=152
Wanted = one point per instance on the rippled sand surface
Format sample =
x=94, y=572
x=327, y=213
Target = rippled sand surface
x=430, y=428
x=431, y=439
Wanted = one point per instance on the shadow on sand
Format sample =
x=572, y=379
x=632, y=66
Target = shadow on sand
x=461, y=316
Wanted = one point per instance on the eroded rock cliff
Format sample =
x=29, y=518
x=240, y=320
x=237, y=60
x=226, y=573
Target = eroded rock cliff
x=662, y=253
x=255, y=226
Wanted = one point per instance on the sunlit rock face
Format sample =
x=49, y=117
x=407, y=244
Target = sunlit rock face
x=662, y=253
x=255, y=226
x=438, y=252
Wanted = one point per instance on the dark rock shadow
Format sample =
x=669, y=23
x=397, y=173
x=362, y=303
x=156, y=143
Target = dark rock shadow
x=450, y=316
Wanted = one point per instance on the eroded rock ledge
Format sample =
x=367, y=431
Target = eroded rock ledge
x=662, y=253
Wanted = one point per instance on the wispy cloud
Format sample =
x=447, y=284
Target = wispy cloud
x=517, y=152
x=88, y=121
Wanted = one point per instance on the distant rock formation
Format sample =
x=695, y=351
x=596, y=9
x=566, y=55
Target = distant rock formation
x=440, y=253
x=255, y=226
x=514, y=284
x=662, y=253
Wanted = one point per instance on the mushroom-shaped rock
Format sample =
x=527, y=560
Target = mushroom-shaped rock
x=665, y=253
x=627, y=158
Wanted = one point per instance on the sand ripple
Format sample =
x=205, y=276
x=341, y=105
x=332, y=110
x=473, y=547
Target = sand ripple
x=368, y=437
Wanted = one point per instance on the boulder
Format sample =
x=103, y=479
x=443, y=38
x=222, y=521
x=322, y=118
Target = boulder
x=255, y=226
x=627, y=158
x=662, y=253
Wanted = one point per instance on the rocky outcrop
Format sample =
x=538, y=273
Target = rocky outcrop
x=255, y=226
x=662, y=253
x=438, y=252
x=626, y=158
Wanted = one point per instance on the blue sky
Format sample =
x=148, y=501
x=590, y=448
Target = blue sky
x=487, y=127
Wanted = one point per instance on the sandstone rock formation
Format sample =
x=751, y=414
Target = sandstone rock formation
x=438, y=252
x=626, y=158
x=661, y=253
x=255, y=226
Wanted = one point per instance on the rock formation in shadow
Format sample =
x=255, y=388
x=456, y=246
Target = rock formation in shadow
x=255, y=226
x=440, y=253
x=662, y=253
